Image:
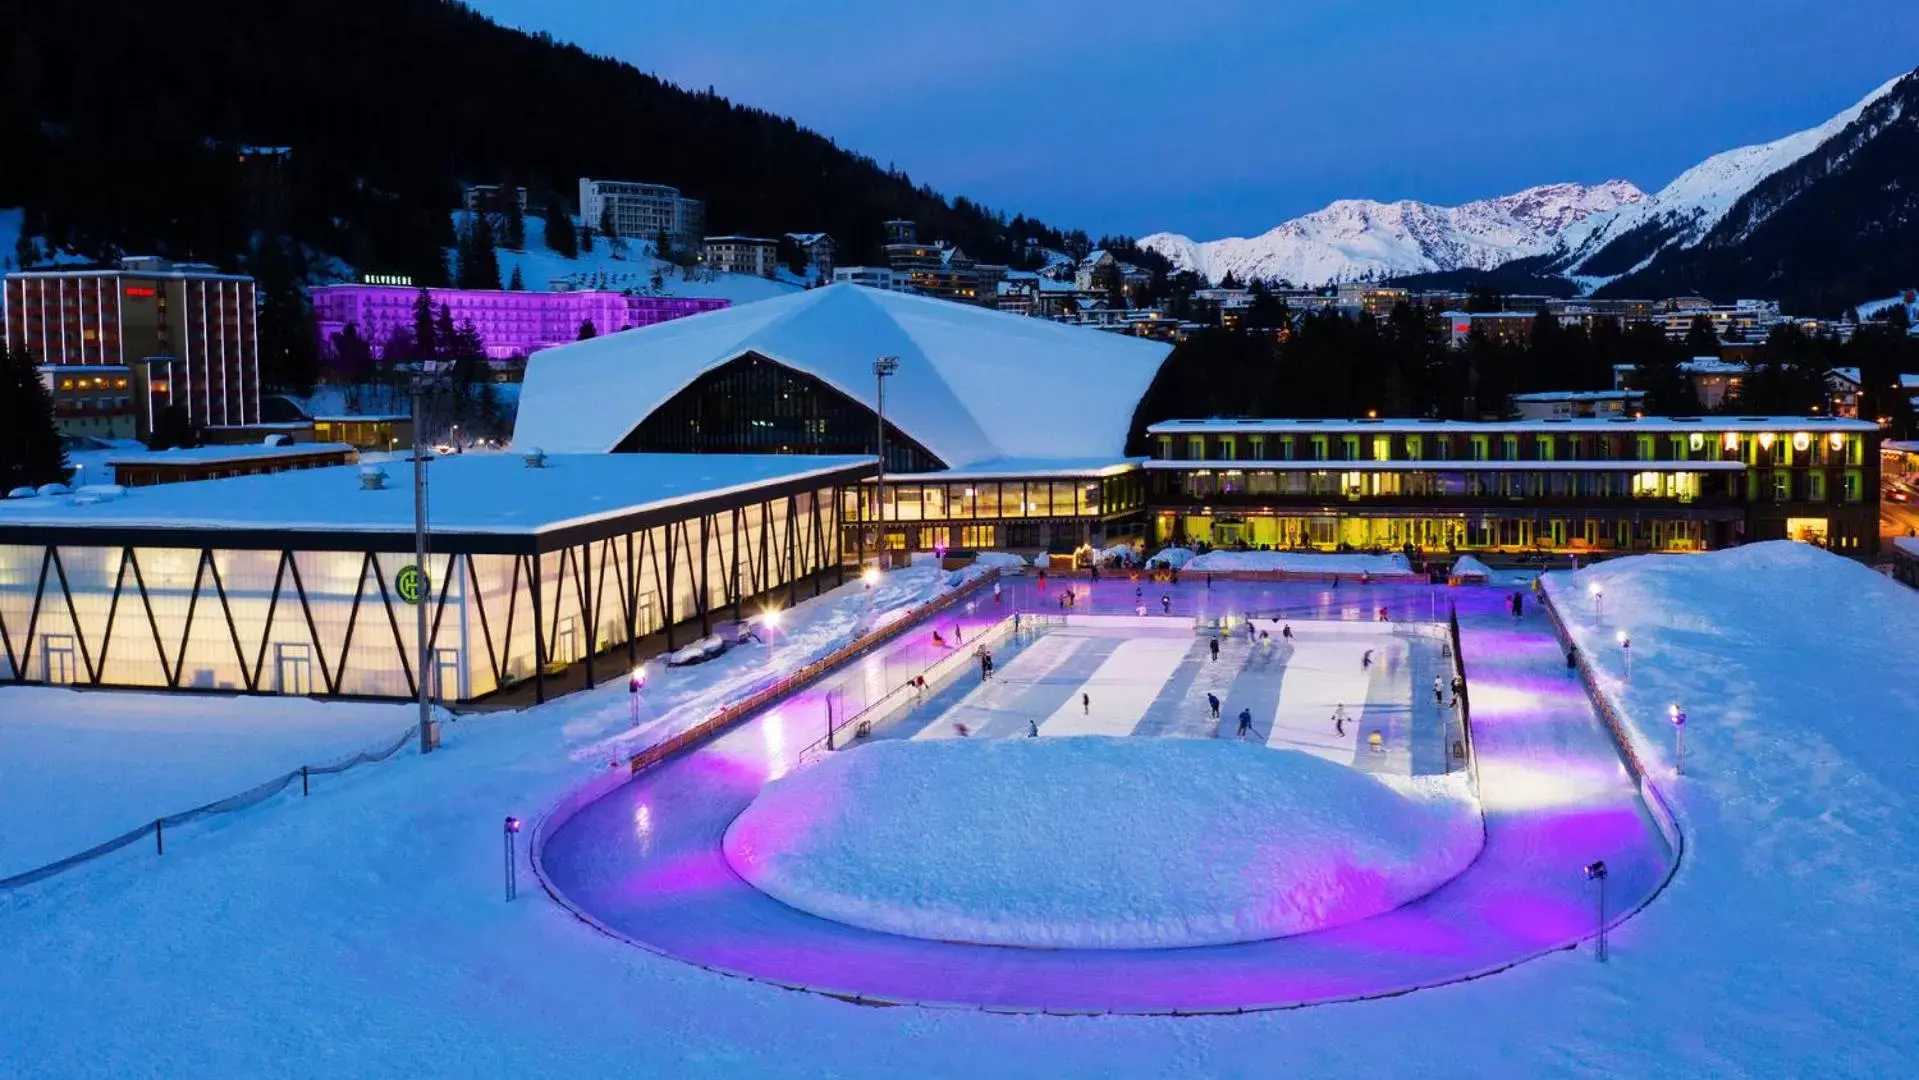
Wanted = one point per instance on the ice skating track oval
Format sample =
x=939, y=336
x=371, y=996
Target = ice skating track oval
x=643, y=864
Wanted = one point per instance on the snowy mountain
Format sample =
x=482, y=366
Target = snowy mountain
x=1354, y=238
x=1686, y=210
x=1808, y=216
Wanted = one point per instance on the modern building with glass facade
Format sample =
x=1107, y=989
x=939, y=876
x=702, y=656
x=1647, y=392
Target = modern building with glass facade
x=510, y=322
x=298, y=583
x=1622, y=484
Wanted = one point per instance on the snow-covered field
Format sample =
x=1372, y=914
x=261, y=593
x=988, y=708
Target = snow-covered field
x=629, y=264
x=84, y=767
x=361, y=932
x=1097, y=842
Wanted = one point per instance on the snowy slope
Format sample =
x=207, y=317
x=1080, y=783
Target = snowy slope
x=628, y=265
x=1352, y=238
x=1684, y=211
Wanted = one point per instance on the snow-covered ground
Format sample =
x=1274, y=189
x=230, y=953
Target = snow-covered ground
x=1300, y=562
x=84, y=767
x=629, y=264
x=361, y=931
x=1097, y=842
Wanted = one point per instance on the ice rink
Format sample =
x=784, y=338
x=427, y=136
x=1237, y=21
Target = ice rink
x=1151, y=676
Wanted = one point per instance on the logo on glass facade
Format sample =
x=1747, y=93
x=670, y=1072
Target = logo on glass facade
x=412, y=584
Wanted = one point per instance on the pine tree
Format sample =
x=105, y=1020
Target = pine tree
x=559, y=228
x=30, y=450
x=586, y=236
x=516, y=284
x=445, y=336
x=486, y=261
x=289, y=358
x=607, y=228
x=424, y=336
x=587, y=330
x=512, y=222
x=173, y=428
x=1701, y=338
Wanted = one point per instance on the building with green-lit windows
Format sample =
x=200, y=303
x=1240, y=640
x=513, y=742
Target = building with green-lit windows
x=1621, y=484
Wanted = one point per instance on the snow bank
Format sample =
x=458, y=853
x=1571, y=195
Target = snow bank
x=86, y=766
x=1301, y=562
x=1097, y=842
x=1004, y=559
x=1467, y=566
x=1172, y=556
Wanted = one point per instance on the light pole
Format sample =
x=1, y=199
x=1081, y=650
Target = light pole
x=1599, y=598
x=512, y=829
x=1678, y=716
x=427, y=740
x=1596, y=872
x=882, y=367
x=634, y=683
x=1625, y=649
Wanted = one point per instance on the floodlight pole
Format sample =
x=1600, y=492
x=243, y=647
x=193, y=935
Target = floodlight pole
x=1596, y=873
x=882, y=367
x=419, y=561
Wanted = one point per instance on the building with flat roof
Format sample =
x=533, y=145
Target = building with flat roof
x=188, y=330
x=1547, y=404
x=180, y=465
x=821, y=251
x=642, y=211
x=1581, y=485
x=300, y=582
x=98, y=400
x=756, y=255
x=511, y=323
x=1514, y=326
x=872, y=277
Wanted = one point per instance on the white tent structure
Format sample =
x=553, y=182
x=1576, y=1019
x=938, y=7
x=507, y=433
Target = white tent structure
x=973, y=385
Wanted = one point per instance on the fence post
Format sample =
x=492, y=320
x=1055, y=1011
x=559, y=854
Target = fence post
x=303, y=780
x=159, y=837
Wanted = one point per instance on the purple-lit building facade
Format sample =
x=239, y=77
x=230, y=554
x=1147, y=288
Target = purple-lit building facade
x=511, y=323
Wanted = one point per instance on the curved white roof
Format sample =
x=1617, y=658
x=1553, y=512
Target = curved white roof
x=973, y=384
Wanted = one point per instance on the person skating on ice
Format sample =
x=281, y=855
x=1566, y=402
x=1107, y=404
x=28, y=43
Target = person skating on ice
x=1032, y=728
x=1213, y=646
x=1085, y=704
x=1166, y=603
x=1212, y=702
x=1286, y=632
x=1245, y=723
x=1366, y=662
x=1572, y=661
x=1439, y=691
x=1339, y=720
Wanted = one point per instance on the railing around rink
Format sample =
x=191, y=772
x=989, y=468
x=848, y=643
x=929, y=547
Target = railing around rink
x=733, y=712
x=843, y=731
x=1465, y=700
x=259, y=793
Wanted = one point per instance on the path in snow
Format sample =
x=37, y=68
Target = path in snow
x=1555, y=793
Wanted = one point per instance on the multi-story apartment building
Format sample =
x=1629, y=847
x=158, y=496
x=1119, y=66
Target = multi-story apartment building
x=1610, y=485
x=941, y=270
x=510, y=323
x=1514, y=326
x=820, y=251
x=642, y=211
x=758, y=255
x=93, y=399
x=491, y=198
x=189, y=329
x=1548, y=404
x=1749, y=319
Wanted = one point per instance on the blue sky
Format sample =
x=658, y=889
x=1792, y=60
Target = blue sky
x=1225, y=117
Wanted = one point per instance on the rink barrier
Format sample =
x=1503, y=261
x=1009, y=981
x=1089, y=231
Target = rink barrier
x=732, y=713
x=1465, y=705
x=252, y=796
x=1625, y=739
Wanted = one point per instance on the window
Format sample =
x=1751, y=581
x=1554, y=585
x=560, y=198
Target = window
x=1228, y=448
x=1196, y=448
x=1256, y=447
x=1165, y=443
x=1415, y=447
x=1319, y=448
x=1854, y=484
x=1543, y=447
x=1645, y=450
x=1382, y=448
x=1816, y=486
x=1479, y=447
x=1509, y=447
x=1781, y=485
x=1349, y=444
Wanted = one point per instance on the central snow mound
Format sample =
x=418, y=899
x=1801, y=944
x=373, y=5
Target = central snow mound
x=1100, y=843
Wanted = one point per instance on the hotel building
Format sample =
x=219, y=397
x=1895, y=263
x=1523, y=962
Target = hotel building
x=192, y=329
x=511, y=323
x=1578, y=485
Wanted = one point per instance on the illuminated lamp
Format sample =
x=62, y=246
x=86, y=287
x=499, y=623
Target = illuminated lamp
x=1765, y=440
x=1800, y=441
x=1836, y=441
x=1730, y=441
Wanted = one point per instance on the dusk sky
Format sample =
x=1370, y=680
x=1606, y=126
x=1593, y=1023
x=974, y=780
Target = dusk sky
x=1225, y=118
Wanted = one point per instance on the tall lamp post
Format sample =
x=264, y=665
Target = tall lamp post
x=1599, y=598
x=427, y=741
x=1625, y=649
x=882, y=367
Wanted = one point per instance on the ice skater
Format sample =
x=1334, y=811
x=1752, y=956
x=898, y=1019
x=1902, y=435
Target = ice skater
x=1212, y=702
x=964, y=731
x=1376, y=743
x=1439, y=691
x=995, y=592
x=1339, y=720
x=1459, y=687
x=1138, y=593
x=1166, y=603
x=1382, y=615
x=1032, y=728
x=938, y=641
x=1366, y=662
x=1141, y=609
x=1572, y=661
x=1245, y=723
x=1213, y=646
x=1085, y=704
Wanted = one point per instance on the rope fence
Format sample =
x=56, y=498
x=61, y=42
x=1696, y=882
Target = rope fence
x=252, y=796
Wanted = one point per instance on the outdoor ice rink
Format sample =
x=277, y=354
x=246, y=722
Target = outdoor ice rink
x=1151, y=676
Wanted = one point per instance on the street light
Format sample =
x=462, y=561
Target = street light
x=420, y=383
x=1678, y=717
x=1599, y=598
x=1625, y=648
x=882, y=367
x=1596, y=872
x=512, y=830
x=634, y=684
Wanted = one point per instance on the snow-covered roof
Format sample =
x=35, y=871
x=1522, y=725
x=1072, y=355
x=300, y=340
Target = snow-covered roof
x=215, y=455
x=490, y=493
x=1580, y=395
x=1447, y=465
x=1039, y=468
x=1907, y=544
x=973, y=384
x=1468, y=427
